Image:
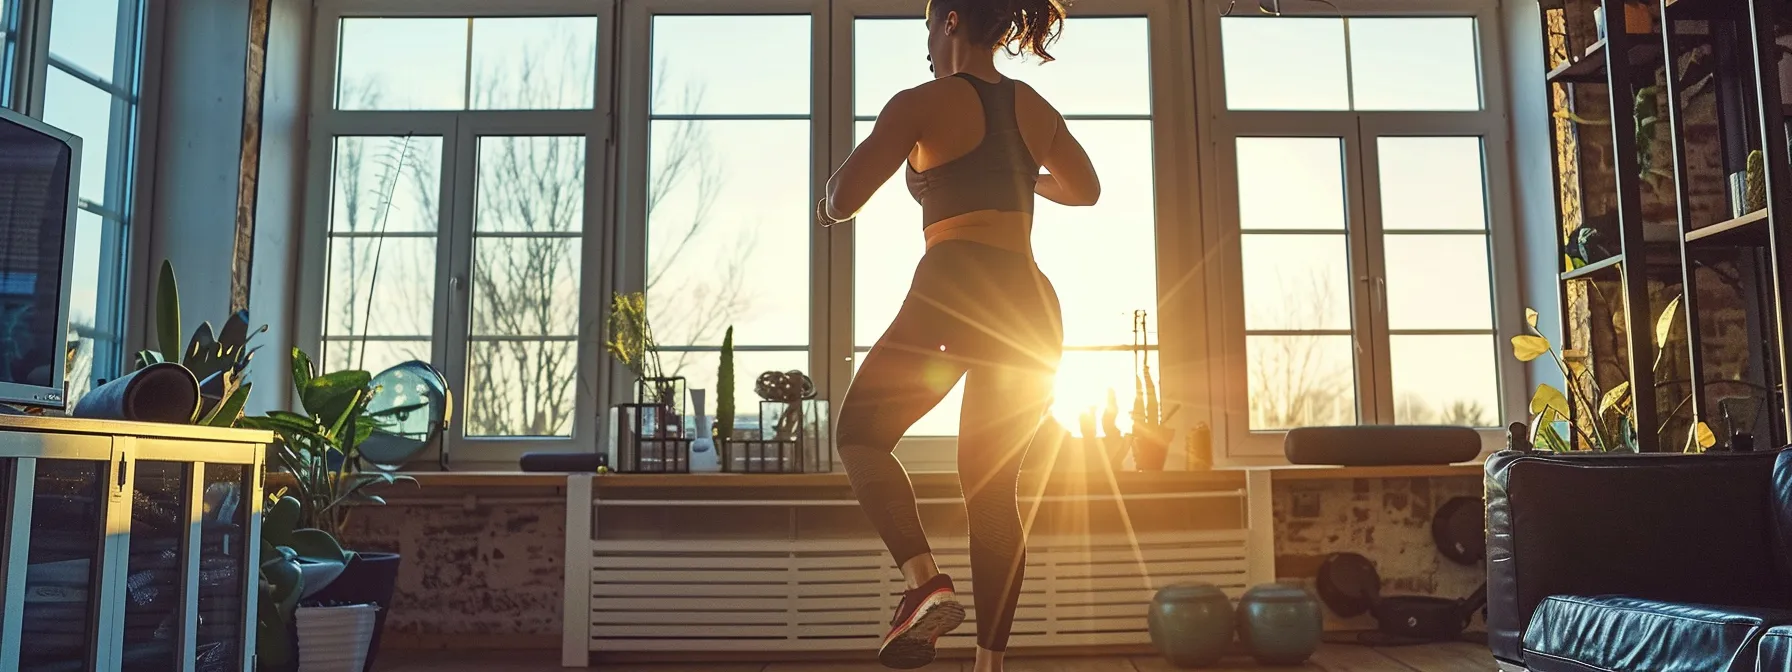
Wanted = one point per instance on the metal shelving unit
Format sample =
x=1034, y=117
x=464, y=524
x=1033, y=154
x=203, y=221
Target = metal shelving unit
x=1740, y=37
x=1730, y=105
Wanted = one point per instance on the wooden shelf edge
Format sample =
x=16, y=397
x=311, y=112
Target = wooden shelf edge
x=1594, y=267
x=1707, y=232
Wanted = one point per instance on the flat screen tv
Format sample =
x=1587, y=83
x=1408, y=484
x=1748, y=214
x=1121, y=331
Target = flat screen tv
x=39, y=168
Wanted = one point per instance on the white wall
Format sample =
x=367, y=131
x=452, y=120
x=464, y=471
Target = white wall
x=1533, y=187
x=195, y=156
x=199, y=121
x=279, y=200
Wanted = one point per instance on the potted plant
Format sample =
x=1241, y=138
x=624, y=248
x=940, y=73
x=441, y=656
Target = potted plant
x=320, y=448
x=1607, y=426
x=630, y=340
x=296, y=564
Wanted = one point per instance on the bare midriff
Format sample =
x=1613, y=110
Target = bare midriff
x=1012, y=231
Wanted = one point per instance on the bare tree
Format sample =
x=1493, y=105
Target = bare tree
x=1293, y=381
x=696, y=309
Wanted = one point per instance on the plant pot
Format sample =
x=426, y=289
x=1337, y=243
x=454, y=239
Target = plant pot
x=1149, y=452
x=335, y=639
x=369, y=578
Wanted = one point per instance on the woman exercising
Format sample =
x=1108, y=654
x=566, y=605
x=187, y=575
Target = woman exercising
x=978, y=308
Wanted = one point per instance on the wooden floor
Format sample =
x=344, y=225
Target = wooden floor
x=1332, y=658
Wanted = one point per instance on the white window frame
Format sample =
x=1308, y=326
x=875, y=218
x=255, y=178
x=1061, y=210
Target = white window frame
x=1178, y=239
x=460, y=131
x=1358, y=129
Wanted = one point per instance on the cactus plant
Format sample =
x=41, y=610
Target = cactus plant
x=724, y=426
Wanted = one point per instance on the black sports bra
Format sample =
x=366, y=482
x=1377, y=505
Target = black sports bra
x=998, y=174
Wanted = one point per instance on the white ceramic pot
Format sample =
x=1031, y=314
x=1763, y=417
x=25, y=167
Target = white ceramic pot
x=335, y=639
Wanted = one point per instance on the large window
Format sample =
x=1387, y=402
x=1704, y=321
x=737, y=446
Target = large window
x=480, y=185
x=1363, y=192
x=1101, y=259
x=459, y=223
x=90, y=84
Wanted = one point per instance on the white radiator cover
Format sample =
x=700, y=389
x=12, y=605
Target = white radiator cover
x=819, y=595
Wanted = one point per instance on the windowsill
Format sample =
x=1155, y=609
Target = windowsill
x=1219, y=477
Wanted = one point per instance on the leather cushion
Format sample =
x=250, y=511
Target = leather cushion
x=1776, y=650
x=1611, y=633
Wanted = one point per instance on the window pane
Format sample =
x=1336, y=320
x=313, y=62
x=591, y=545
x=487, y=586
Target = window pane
x=371, y=172
x=1295, y=281
x=887, y=244
x=699, y=371
x=402, y=64
x=84, y=110
x=1300, y=381
x=526, y=286
x=535, y=63
x=521, y=388
x=371, y=356
x=1432, y=183
x=84, y=33
x=381, y=287
x=1448, y=380
x=1103, y=67
x=889, y=55
x=729, y=216
x=731, y=65
x=1291, y=183
x=1101, y=259
x=1390, y=58
x=84, y=285
x=531, y=185
x=92, y=326
x=1284, y=63
x=1438, y=282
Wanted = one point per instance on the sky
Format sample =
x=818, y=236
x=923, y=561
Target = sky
x=748, y=189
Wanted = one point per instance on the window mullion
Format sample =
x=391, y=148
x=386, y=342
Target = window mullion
x=1368, y=248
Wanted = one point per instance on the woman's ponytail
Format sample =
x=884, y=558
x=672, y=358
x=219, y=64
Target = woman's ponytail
x=1033, y=26
x=1019, y=27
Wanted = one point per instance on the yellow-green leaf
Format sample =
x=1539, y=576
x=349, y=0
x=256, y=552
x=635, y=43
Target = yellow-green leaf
x=1526, y=347
x=1530, y=317
x=1702, y=436
x=1615, y=397
x=1551, y=399
x=1664, y=325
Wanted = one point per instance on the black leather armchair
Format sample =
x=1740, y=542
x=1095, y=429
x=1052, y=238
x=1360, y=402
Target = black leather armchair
x=1663, y=563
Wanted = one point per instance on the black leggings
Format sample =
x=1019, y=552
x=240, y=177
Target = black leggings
x=987, y=315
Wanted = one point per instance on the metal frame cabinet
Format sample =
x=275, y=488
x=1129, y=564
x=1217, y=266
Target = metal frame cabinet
x=128, y=546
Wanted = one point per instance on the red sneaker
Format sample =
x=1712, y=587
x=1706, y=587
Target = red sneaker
x=924, y=614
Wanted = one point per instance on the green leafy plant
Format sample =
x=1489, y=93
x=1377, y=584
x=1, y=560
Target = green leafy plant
x=321, y=447
x=630, y=338
x=1608, y=425
x=219, y=360
x=724, y=427
x=296, y=563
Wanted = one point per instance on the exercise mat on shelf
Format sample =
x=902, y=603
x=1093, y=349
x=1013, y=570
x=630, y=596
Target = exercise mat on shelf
x=165, y=392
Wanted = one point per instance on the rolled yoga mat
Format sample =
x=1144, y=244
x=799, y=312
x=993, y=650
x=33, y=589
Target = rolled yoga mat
x=165, y=392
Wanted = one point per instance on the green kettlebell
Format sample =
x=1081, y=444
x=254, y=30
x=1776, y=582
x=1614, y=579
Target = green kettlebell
x=1191, y=624
x=1280, y=624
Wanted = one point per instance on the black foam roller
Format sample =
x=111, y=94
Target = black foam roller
x=165, y=392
